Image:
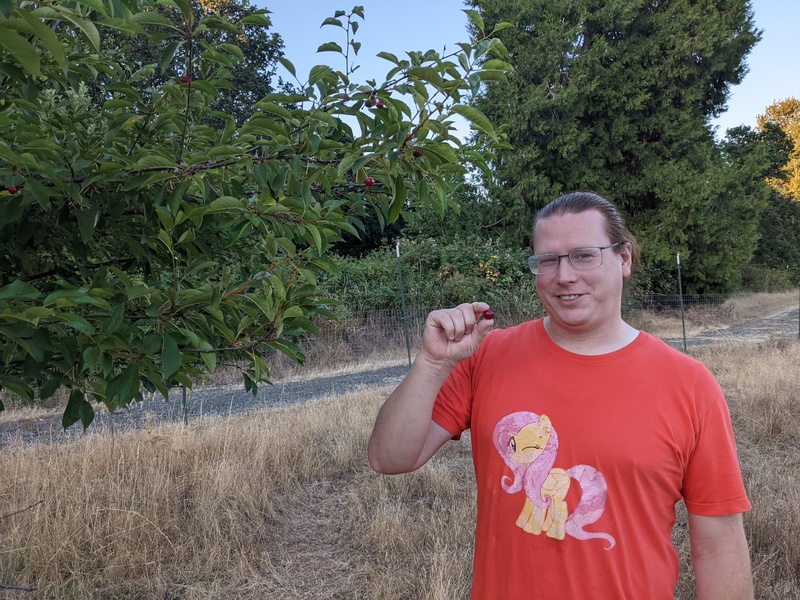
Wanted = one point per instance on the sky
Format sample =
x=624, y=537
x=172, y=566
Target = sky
x=397, y=27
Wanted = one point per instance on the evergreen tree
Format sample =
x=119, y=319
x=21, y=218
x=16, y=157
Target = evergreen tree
x=616, y=97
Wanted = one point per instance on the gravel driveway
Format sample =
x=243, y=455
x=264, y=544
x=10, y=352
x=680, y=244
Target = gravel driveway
x=231, y=400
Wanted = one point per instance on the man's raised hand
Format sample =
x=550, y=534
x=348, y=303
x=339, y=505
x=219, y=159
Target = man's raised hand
x=453, y=334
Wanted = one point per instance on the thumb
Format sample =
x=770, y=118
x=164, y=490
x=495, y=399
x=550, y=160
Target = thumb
x=484, y=326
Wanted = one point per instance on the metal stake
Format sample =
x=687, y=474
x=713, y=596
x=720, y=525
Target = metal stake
x=680, y=292
x=403, y=302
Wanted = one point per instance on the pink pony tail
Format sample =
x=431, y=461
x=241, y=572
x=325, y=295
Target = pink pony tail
x=594, y=491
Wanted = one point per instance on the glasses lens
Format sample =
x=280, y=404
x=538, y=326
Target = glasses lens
x=540, y=264
x=586, y=258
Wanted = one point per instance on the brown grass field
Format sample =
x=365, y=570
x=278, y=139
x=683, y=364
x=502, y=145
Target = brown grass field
x=282, y=504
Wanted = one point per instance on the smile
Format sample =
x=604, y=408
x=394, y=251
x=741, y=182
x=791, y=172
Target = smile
x=569, y=297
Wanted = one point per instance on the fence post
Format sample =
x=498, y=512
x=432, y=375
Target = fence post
x=680, y=293
x=403, y=302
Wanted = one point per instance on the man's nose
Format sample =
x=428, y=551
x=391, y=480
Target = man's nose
x=565, y=271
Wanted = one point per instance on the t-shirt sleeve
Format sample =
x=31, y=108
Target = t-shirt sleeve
x=453, y=407
x=712, y=483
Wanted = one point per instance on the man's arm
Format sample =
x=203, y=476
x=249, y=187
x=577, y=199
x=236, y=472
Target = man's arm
x=404, y=437
x=721, y=558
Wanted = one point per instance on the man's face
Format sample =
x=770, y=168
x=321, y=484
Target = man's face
x=581, y=301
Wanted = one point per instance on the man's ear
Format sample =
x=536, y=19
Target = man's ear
x=627, y=260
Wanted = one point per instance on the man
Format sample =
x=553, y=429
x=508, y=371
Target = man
x=585, y=432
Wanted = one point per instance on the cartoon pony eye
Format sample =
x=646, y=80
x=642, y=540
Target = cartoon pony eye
x=513, y=443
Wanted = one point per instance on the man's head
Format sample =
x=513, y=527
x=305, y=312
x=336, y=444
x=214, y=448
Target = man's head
x=578, y=202
x=582, y=255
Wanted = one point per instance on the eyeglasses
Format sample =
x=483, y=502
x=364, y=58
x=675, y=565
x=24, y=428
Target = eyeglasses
x=580, y=258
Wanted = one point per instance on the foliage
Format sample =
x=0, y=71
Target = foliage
x=760, y=156
x=436, y=273
x=250, y=73
x=140, y=246
x=779, y=246
x=616, y=97
x=786, y=115
x=756, y=278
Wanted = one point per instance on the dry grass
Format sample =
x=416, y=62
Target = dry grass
x=279, y=504
x=282, y=504
x=737, y=309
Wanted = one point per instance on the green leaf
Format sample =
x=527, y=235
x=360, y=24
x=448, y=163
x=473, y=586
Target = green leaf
x=269, y=107
x=152, y=18
x=494, y=64
x=20, y=49
x=168, y=54
x=288, y=348
x=257, y=19
x=66, y=14
x=78, y=409
x=170, y=357
x=476, y=19
x=19, y=289
x=225, y=151
x=225, y=204
x=287, y=65
x=87, y=221
x=475, y=117
x=123, y=388
x=427, y=74
x=47, y=35
x=123, y=25
x=501, y=26
x=115, y=319
x=95, y=5
x=17, y=386
x=389, y=56
x=399, y=200
x=150, y=161
x=493, y=76
x=78, y=323
x=250, y=385
x=330, y=47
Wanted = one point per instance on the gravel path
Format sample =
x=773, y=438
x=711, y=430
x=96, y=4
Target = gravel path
x=202, y=402
x=230, y=400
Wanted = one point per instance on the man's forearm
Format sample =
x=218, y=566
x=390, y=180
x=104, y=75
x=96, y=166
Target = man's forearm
x=721, y=558
x=403, y=426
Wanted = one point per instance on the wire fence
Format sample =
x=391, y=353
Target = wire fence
x=358, y=335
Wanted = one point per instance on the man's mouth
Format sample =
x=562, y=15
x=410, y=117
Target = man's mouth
x=569, y=296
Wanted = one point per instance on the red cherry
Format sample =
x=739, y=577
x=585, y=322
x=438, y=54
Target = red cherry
x=12, y=190
x=186, y=79
x=380, y=104
x=488, y=314
x=369, y=182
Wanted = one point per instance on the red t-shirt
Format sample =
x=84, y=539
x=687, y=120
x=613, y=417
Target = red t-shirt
x=580, y=460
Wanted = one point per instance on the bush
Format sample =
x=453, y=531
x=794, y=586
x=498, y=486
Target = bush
x=756, y=278
x=436, y=275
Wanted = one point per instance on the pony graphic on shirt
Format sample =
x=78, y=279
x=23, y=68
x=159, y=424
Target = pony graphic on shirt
x=528, y=444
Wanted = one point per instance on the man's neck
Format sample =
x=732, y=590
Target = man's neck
x=594, y=342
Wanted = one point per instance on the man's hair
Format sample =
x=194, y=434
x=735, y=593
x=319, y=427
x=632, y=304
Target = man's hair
x=578, y=202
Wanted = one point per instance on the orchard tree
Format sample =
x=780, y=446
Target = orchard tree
x=140, y=247
x=617, y=97
x=786, y=115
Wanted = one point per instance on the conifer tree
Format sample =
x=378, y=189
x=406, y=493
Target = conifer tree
x=617, y=97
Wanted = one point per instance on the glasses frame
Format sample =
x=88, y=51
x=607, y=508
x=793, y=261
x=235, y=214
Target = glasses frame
x=574, y=266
